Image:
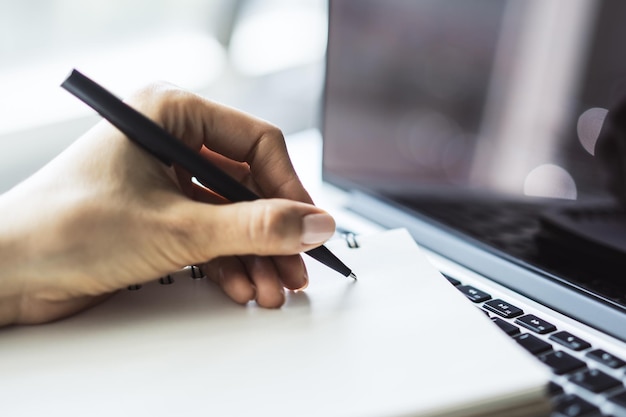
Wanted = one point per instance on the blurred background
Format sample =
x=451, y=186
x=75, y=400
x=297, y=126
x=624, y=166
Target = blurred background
x=265, y=57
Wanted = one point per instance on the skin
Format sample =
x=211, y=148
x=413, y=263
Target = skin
x=105, y=214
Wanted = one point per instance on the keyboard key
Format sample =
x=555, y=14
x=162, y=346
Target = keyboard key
x=619, y=399
x=570, y=341
x=574, y=406
x=503, y=309
x=452, y=281
x=555, y=389
x=595, y=380
x=606, y=358
x=535, y=324
x=561, y=362
x=473, y=294
x=532, y=343
x=507, y=327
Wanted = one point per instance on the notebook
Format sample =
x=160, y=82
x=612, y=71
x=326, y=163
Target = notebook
x=474, y=124
x=400, y=341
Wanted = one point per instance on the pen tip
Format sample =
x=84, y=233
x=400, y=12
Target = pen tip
x=352, y=275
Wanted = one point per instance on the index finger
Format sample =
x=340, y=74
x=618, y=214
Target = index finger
x=228, y=131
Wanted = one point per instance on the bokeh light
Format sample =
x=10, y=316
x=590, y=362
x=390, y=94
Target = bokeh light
x=550, y=181
x=589, y=126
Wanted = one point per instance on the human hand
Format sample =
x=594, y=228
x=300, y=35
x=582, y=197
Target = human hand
x=105, y=214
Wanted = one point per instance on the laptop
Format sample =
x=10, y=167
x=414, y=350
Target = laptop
x=474, y=125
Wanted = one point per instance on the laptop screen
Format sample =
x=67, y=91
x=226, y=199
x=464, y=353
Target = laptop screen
x=450, y=109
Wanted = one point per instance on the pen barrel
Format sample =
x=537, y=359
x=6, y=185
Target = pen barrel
x=325, y=256
x=158, y=142
x=154, y=139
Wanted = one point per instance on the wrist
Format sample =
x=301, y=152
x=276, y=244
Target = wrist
x=12, y=255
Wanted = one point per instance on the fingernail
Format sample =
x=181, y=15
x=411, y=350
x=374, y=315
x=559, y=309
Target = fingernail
x=303, y=287
x=317, y=228
x=305, y=278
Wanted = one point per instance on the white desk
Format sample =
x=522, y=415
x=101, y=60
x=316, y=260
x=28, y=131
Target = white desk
x=368, y=348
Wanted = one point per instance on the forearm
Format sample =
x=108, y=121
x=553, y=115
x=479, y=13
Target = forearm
x=33, y=254
x=104, y=214
x=11, y=256
x=9, y=304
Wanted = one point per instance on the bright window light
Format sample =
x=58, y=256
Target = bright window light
x=32, y=95
x=277, y=39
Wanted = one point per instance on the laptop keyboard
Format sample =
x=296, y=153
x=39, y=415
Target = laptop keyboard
x=586, y=381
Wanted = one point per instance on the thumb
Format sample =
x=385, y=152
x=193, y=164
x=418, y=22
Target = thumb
x=261, y=227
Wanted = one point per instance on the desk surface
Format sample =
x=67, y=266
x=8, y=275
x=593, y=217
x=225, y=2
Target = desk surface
x=370, y=348
x=375, y=347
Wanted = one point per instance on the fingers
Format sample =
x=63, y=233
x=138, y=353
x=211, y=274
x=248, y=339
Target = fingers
x=234, y=235
x=229, y=132
x=254, y=153
x=230, y=274
x=269, y=288
x=256, y=278
x=292, y=272
x=263, y=227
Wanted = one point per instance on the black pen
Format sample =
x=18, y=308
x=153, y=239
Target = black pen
x=155, y=140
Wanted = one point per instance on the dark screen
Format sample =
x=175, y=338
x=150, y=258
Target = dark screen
x=406, y=87
x=430, y=93
x=483, y=115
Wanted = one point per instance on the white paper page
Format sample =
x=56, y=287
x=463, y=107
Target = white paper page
x=399, y=341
